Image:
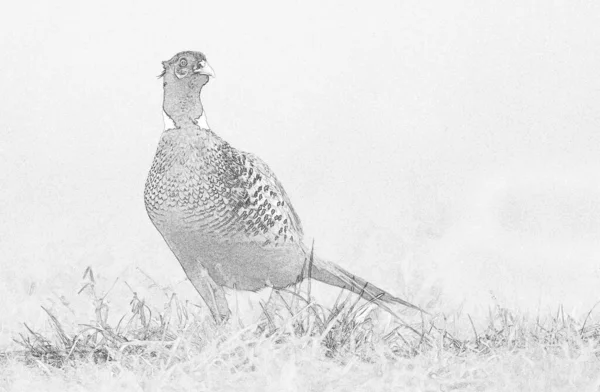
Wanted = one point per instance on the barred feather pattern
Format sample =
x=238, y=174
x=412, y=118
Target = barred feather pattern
x=202, y=190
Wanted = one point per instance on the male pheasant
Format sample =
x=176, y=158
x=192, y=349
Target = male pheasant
x=222, y=211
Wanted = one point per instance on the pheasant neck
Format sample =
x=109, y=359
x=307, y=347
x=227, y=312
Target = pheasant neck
x=182, y=105
x=201, y=121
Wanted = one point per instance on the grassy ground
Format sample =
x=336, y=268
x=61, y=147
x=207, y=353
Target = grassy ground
x=300, y=345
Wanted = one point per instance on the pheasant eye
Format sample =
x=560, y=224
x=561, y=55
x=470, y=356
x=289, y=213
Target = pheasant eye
x=183, y=63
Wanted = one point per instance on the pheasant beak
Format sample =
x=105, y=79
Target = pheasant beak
x=205, y=69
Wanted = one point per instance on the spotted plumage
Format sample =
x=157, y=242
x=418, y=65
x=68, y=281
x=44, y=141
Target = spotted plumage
x=216, y=188
x=222, y=211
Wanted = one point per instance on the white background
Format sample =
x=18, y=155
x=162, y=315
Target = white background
x=448, y=146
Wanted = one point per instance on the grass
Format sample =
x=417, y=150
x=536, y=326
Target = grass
x=300, y=345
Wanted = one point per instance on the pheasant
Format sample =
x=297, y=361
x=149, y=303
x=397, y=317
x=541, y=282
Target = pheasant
x=222, y=211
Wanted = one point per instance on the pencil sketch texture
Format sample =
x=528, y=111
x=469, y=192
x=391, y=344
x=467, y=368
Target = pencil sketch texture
x=222, y=211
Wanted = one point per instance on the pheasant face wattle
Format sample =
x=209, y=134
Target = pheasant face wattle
x=187, y=64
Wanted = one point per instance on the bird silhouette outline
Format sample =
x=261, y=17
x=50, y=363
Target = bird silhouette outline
x=222, y=211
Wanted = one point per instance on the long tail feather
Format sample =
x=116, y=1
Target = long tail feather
x=332, y=274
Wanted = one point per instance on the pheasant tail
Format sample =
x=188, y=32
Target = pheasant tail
x=332, y=274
